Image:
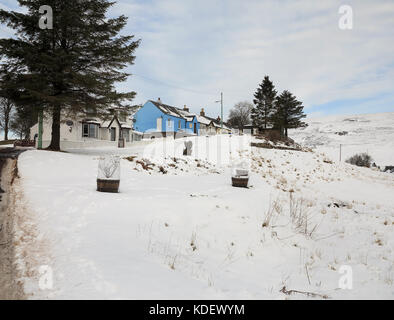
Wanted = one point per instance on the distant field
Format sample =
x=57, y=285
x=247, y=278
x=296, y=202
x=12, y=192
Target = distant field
x=370, y=133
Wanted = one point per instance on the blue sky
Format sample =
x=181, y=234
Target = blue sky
x=193, y=50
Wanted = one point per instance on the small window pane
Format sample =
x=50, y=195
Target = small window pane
x=85, y=132
x=92, y=130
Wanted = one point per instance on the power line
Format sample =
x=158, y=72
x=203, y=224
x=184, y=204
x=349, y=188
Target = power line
x=175, y=86
x=213, y=94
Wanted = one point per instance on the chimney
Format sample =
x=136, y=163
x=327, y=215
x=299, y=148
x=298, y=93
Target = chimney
x=185, y=108
x=218, y=119
x=202, y=112
x=158, y=100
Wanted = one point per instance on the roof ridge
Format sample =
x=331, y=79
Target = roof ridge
x=174, y=109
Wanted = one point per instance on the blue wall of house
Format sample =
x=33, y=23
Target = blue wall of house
x=146, y=120
x=191, y=130
x=171, y=123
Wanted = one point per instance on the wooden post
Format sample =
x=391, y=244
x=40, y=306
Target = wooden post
x=340, y=152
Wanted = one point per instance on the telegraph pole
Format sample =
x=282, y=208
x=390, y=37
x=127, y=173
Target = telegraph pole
x=221, y=111
x=221, y=103
x=340, y=152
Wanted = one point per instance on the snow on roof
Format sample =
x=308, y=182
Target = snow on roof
x=170, y=110
x=186, y=113
x=203, y=120
x=125, y=125
x=174, y=111
x=188, y=116
x=217, y=125
x=105, y=124
x=93, y=121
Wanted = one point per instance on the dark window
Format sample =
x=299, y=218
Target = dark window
x=85, y=130
x=90, y=130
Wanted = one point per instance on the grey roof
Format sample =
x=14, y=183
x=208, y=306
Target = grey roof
x=217, y=123
x=174, y=111
x=181, y=113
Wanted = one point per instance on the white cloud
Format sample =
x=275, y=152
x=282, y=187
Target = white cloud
x=214, y=46
x=229, y=45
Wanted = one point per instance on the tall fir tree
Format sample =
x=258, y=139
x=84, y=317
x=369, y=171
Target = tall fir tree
x=264, y=99
x=289, y=112
x=73, y=67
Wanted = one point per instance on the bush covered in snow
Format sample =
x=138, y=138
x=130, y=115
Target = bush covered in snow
x=361, y=160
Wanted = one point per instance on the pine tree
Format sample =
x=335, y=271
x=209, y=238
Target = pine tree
x=73, y=67
x=264, y=104
x=289, y=112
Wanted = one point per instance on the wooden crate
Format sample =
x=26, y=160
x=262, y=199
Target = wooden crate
x=108, y=185
x=241, y=182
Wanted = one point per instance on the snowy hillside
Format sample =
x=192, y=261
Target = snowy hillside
x=178, y=229
x=371, y=133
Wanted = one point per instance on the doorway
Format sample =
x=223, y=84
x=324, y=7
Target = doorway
x=113, y=134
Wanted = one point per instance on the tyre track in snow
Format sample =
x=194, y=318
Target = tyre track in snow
x=10, y=288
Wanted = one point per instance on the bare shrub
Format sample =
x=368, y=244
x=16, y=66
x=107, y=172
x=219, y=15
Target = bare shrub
x=272, y=213
x=108, y=166
x=272, y=135
x=361, y=160
x=193, y=244
x=172, y=262
x=301, y=217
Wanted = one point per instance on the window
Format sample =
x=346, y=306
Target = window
x=126, y=134
x=170, y=125
x=190, y=125
x=179, y=124
x=85, y=130
x=90, y=130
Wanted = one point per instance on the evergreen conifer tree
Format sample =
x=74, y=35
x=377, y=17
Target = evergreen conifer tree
x=72, y=67
x=264, y=99
x=289, y=112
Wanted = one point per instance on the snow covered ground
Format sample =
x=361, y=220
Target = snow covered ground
x=370, y=133
x=179, y=230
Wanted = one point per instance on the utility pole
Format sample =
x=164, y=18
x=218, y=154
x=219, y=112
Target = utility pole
x=340, y=152
x=221, y=103
x=221, y=110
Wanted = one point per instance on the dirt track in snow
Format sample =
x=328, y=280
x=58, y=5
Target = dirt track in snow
x=10, y=288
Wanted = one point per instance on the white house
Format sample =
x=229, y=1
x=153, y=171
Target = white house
x=211, y=126
x=84, y=131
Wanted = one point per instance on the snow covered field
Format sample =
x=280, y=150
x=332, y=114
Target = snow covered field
x=370, y=133
x=179, y=230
